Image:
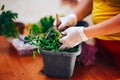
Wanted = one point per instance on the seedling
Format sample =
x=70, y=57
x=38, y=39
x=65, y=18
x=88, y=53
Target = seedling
x=44, y=37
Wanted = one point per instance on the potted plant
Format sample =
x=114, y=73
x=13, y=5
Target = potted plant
x=7, y=26
x=57, y=63
x=13, y=31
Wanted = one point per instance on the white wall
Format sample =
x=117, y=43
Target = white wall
x=32, y=10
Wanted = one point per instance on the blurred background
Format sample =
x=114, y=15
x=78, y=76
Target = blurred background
x=30, y=11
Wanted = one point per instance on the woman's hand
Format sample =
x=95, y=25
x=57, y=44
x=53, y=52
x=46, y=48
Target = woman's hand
x=69, y=20
x=72, y=37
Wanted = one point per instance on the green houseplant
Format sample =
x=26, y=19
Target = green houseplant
x=57, y=63
x=13, y=31
x=7, y=26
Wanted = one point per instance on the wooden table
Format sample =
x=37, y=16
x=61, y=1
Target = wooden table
x=16, y=67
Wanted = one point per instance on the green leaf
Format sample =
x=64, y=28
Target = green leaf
x=34, y=54
x=2, y=8
x=46, y=23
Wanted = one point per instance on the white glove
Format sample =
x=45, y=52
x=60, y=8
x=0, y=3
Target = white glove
x=69, y=20
x=73, y=36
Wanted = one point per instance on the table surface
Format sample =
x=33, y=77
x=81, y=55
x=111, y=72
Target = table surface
x=17, y=67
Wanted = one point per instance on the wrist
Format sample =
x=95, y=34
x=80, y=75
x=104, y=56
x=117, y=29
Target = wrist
x=73, y=18
x=89, y=32
x=84, y=37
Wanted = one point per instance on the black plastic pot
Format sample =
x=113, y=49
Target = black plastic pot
x=59, y=64
x=20, y=26
x=82, y=23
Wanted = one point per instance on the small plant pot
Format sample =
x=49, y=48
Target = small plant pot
x=59, y=64
x=20, y=26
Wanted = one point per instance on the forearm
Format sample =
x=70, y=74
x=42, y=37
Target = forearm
x=84, y=9
x=107, y=27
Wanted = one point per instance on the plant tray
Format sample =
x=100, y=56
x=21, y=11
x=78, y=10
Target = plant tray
x=21, y=47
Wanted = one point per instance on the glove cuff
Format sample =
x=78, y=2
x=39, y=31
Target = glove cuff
x=74, y=18
x=82, y=34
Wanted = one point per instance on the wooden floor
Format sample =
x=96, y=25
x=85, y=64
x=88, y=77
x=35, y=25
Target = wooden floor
x=16, y=67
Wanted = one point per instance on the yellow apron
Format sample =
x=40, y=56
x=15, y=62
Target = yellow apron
x=103, y=10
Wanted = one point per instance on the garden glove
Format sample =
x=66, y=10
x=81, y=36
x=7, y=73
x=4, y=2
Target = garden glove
x=69, y=20
x=73, y=36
